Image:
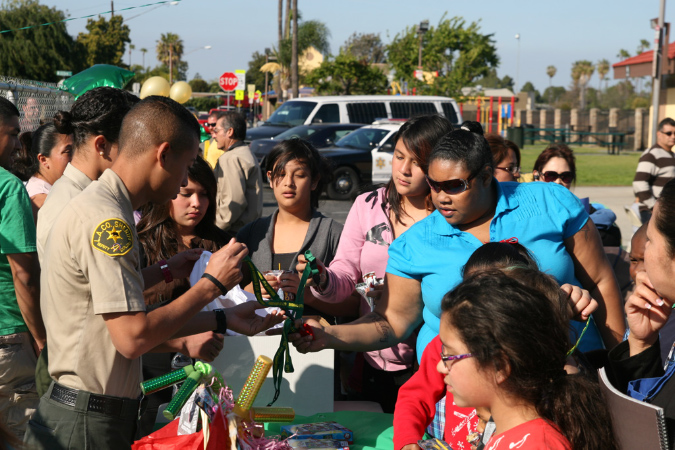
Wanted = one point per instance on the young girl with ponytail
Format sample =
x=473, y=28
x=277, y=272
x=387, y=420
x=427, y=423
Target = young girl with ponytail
x=504, y=347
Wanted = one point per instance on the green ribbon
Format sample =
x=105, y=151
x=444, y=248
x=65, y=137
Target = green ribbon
x=293, y=310
x=588, y=322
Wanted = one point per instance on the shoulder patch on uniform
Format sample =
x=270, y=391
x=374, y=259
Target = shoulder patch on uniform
x=113, y=237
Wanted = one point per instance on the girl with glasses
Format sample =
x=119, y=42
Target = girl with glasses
x=504, y=347
x=471, y=209
x=506, y=157
x=415, y=409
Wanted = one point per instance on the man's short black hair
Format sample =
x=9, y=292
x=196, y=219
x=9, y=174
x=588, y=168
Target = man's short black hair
x=7, y=109
x=154, y=120
x=235, y=121
x=664, y=122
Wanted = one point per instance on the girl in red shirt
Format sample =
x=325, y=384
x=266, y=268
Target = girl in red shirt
x=504, y=347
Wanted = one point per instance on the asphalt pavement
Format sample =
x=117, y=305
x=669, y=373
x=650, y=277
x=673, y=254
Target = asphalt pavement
x=614, y=198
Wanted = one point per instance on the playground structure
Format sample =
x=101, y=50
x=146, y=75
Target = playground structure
x=485, y=112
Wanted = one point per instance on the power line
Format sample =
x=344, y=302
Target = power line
x=90, y=15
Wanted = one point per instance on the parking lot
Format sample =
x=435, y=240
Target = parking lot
x=613, y=198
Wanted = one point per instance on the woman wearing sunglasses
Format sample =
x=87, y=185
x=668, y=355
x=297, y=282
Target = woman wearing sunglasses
x=555, y=165
x=471, y=209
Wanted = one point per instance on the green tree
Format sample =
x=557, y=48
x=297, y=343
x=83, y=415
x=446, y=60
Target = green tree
x=345, y=75
x=623, y=54
x=311, y=33
x=36, y=53
x=551, y=71
x=144, y=51
x=170, y=51
x=554, y=94
x=105, y=40
x=582, y=71
x=198, y=85
x=254, y=75
x=603, y=69
x=459, y=52
x=643, y=47
x=492, y=80
x=529, y=87
x=366, y=47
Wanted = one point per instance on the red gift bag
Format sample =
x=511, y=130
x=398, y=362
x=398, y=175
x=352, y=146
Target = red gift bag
x=167, y=437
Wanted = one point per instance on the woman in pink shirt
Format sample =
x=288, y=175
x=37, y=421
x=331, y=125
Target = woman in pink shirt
x=374, y=221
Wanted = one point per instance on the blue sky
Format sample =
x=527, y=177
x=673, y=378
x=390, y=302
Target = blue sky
x=552, y=33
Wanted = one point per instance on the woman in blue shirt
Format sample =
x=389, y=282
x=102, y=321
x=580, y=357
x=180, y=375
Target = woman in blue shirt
x=472, y=209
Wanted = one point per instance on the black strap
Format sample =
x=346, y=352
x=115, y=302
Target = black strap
x=215, y=281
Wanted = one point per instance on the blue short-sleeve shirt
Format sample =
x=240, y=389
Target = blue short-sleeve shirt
x=540, y=215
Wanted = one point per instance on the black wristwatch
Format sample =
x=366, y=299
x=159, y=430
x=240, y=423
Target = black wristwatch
x=221, y=321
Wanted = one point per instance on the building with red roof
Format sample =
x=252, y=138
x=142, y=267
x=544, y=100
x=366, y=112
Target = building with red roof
x=642, y=66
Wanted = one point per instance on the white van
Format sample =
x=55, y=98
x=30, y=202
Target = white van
x=352, y=109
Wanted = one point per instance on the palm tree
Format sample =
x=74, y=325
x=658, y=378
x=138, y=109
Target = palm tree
x=582, y=71
x=603, y=69
x=643, y=47
x=550, y=71
x=144, y=51
x=311, y=33
x=131, y=47
x=169, y=51
x=623, y=54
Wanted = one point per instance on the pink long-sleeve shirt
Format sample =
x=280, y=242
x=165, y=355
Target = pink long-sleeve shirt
x=363, y=248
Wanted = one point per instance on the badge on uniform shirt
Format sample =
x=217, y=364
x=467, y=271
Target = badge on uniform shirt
x=113, y=237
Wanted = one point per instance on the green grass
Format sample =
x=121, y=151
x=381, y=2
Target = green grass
x=594, y=166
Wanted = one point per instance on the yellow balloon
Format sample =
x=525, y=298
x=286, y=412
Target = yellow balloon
x=155, y=86
x=181, y=92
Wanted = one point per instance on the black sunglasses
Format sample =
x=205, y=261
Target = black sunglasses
x=551, y=176
x=210, y=125
x=668, y=133
x=450, y=187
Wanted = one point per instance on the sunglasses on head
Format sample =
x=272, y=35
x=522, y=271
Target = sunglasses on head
x=552, y=176
x=450, y=187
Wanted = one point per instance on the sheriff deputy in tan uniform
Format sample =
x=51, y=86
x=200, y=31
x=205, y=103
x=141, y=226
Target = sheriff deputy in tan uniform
x=92, y=300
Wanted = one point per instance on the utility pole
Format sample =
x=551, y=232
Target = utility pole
x=657, y=68
x=515, y=87
x=171, y=63
x=112, y=9
x=294, y=52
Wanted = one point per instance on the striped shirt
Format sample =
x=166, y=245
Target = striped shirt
x=655, y=168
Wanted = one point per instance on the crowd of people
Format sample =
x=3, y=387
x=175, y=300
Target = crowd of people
x=490, y=302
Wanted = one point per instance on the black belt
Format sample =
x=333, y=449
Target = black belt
x=110, y=406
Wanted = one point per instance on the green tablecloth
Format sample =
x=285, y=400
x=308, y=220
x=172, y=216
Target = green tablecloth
x=371, y=430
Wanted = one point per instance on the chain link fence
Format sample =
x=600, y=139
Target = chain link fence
x=37, y=101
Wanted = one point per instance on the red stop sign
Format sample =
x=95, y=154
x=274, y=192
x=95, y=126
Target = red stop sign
x=228, y=81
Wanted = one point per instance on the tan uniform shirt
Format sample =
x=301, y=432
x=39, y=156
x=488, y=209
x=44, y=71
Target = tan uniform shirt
x=93, y=268
x=68, y=186
x=239, y=199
